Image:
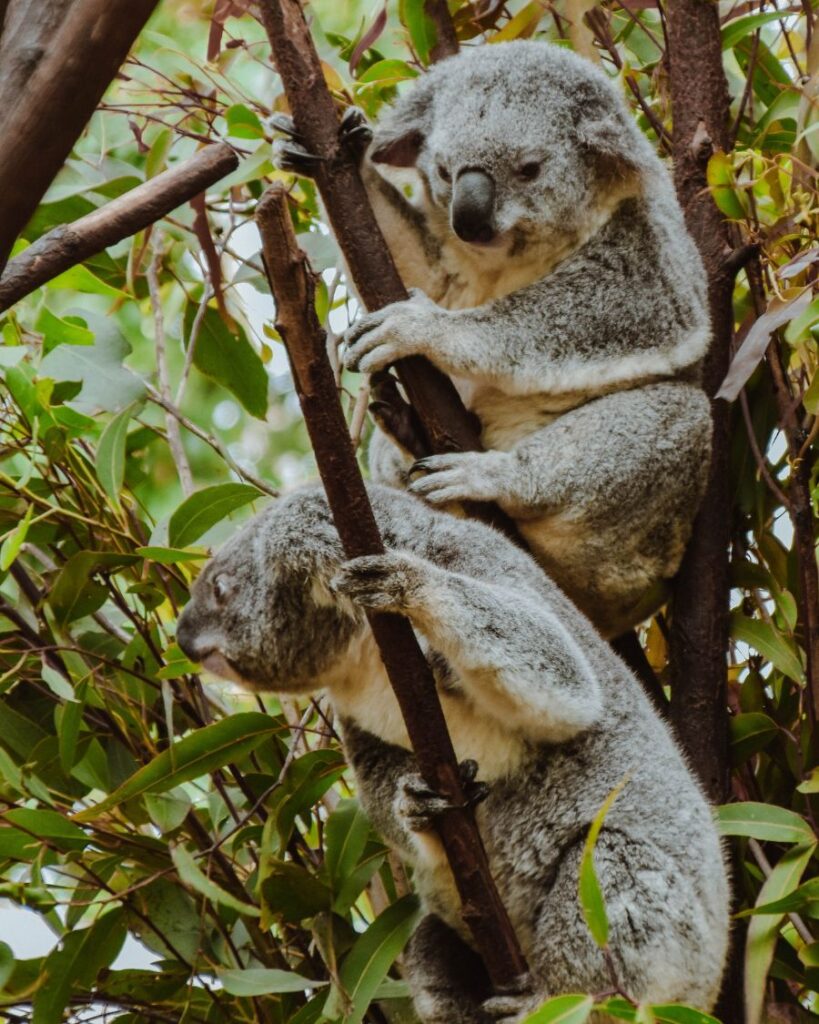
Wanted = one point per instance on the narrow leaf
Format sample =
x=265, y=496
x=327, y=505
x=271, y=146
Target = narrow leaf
x=197, y=754
x=110, y=461
x=192, y=875
x=590, y=894
x=263, y=981
x=763, y=821
x=204, y=509
x=572, y=1009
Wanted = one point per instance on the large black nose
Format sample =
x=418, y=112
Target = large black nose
x=473, y=206
x=186, y=636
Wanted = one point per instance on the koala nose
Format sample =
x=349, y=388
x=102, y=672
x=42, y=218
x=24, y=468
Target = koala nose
x=473, y=206
x=186, y=636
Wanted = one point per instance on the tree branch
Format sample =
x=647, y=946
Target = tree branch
x=69, y=244
x=446, y=423
x=39, y=130
x=446, y=42
x=293, y=287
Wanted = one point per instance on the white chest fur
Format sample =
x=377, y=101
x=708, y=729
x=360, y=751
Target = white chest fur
x=363, y=693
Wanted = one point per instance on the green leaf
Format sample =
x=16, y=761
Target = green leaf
x=110, y=460
x=170, y=556
x=58, y=331
x=289, y=890
x=80, y=279
x=192, y=875
x=737, y=29
x=772, y=645
x=667, y=1013
x=801, y=899
x=168, y=810
x=763, y=821
x=106, y=383
x=571, y=1009
x=204, y=509
x=74, y=593
x=6, y=963
x=763, y=932
x=78, y=960
x=720, y=176
x=197, y=754
x=242, y=123
x=388, y=72
x=262, y=981
x=590, y=894
x=229, y=360
x=48, y=826
x=374, y=952
x=421, y=28
x=15, y=540
x=750, y=733
x=345, y=836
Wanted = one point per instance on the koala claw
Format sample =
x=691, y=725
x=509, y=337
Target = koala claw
x=380, y=582
x=461, y=476
x=378, y=339
x=419, y=806
x=513, y=1002
x=355, y=131
x=291, y=155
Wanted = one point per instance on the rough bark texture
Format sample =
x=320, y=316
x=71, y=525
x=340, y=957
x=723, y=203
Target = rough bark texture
x=446, y=44
x=59, y=97
x=27, y=28
x=292, y=286
x=699, y=631
x=448, y=426
x=69, y=244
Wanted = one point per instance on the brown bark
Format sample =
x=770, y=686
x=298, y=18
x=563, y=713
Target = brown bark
x=293, y=288
x=69, y=244
x=447, y=424
x=27, y=27
x=699, y=629
x=446, y=43
x=59, y=97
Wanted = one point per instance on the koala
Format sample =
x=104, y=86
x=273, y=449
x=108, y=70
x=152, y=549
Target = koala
x=552, y=277
x=533, y=695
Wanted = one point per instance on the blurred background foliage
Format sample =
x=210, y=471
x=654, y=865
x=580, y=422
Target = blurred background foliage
x=146, y=407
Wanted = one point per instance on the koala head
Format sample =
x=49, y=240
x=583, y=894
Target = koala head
x=261, y=611
x=515, y=142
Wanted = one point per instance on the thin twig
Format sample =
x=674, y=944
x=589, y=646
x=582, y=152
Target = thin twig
x=183, y=468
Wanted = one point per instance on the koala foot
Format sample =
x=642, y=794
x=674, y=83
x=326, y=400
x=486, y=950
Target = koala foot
x=291, y=154
x=462, y=476
x=389, y=582
x=418, y=806
x=376, y=340
x=513, y=1002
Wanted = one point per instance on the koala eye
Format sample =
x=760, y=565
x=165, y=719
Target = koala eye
x=529, y=171
x=220, y=588
x=445, y=175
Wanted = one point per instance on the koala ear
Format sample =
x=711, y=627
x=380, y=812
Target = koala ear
x=398, y=137
x=609, y=140
x=401, y=151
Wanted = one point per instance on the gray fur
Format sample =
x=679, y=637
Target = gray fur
x=530, y=691
x=591, y=289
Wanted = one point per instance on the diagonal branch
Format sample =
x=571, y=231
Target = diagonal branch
x=69, y=244
x=39, y=129
x=293, y=287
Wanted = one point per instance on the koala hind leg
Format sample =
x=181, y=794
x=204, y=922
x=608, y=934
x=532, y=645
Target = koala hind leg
x=448, y=980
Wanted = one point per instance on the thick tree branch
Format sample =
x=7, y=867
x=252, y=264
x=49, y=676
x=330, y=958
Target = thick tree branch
x=446, y=423
x=69, y=244
x=446, y=43
x=293, y=288
x=699, y=629
x=60, y=95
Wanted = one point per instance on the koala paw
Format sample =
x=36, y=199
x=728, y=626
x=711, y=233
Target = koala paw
x=513, y=1002
x=376, y=340
x=418, y=806
x=290, y=153
x=462, y=476
x=381, y=582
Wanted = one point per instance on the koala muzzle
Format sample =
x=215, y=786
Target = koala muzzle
x=186, y=636
x=473, y=207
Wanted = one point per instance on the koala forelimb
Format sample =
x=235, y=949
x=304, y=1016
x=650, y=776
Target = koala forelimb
x=533, y=695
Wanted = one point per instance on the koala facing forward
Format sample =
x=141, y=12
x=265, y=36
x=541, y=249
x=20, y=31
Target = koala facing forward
x=553, y=279
x=530, y=692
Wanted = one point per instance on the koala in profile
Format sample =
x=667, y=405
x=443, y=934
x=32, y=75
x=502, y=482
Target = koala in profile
x=534, y=695
x=552, y=277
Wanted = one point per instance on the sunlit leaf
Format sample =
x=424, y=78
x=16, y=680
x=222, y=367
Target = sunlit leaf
x=592, y=901
x=261, y=981
x=563, y=1010
x=763, y=821
x=204, y=509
